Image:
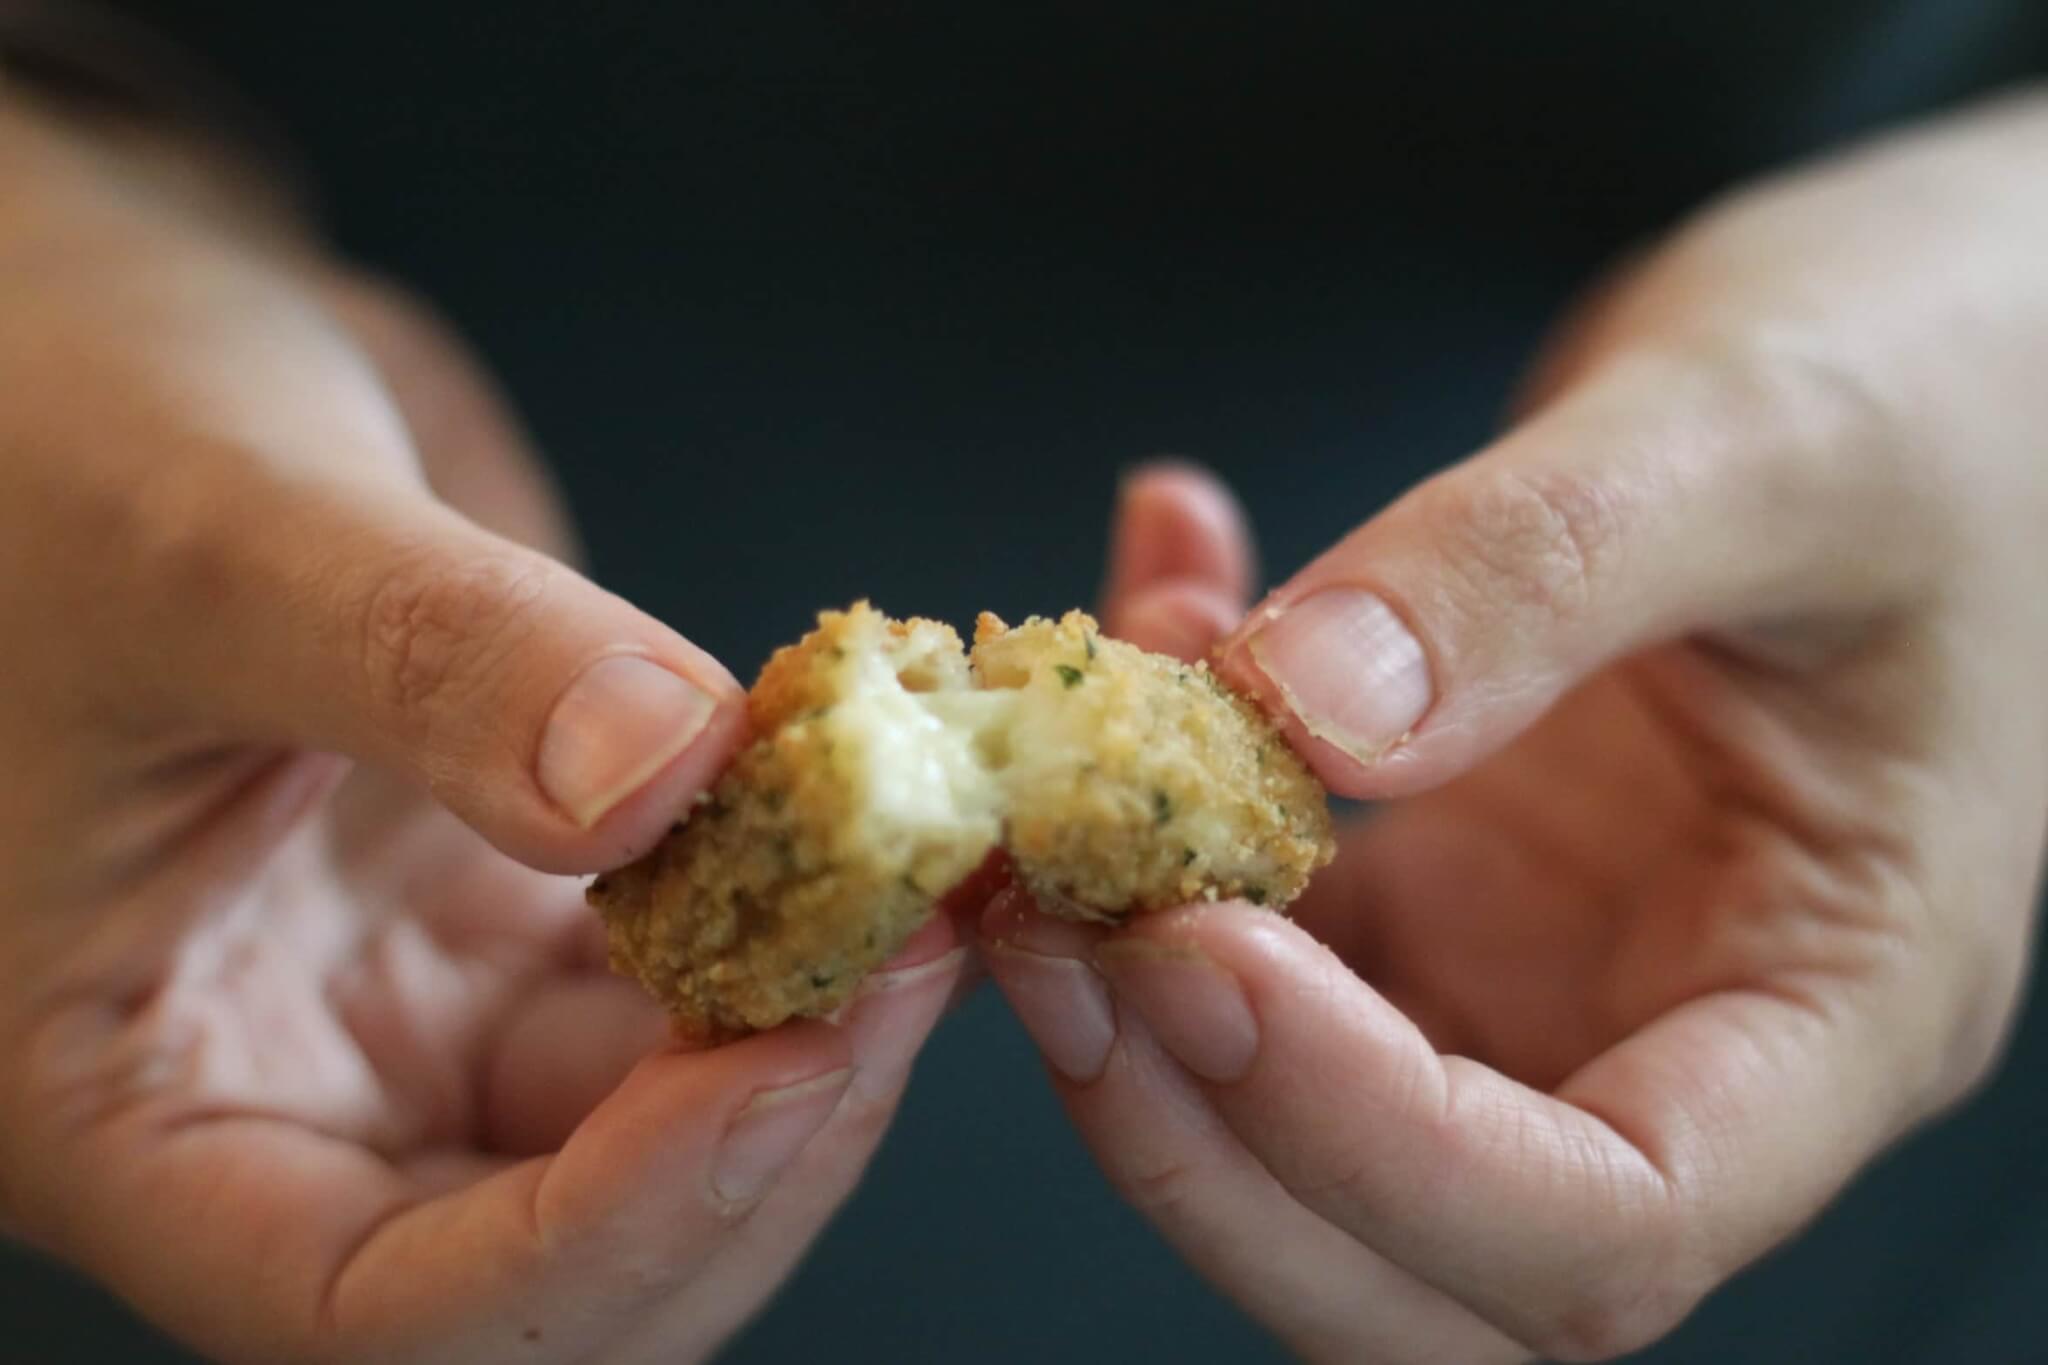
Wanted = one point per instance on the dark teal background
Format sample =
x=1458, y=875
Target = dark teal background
x=810, y=301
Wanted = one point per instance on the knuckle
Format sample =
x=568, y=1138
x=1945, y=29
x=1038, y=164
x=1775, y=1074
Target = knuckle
x=436, y=630
x=1335, y=1190
x=1539, y=539
x=1829, y=424
x=1160, y=1187
x=1817, y=431
x=1633, y=1296
x=178, y=526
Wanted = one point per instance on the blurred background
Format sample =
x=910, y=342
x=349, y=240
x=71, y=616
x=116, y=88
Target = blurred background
x=809, y=301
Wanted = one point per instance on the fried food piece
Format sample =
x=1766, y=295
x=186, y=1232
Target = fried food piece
x=1135, y=782
x=825, y=844
x=886, y=768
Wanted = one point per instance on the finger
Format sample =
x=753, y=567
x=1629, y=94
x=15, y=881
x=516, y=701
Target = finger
x=660, y=1216
x=555, y=1254
x=888, y=1024
x=563, y=724
x=1181, y=618
x=1657, y=499
x=1164, y=1149
x=1580, y=337
x=356, y=1260
x=656, y=1218
x=573, y=1037
x=1175, y=523
x=569, y=1042
x=1583, y=1224
x=472, y=450
x=963, y=907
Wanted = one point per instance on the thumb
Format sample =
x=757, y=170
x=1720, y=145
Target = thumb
x=1657, y=499
x=563, y=724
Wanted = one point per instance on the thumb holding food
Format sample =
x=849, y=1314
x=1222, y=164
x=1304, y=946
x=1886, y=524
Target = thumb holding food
x=559, y=721
x=1651, y=502
x=274, y=561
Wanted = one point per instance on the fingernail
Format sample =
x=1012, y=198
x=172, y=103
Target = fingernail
x=1013, y=920
x=1196, y=1009
x=892, y=1016
x=768, y=1133
x=620, y=723
x=1348, y=668
x=1040, y=966
x=1062, y=1004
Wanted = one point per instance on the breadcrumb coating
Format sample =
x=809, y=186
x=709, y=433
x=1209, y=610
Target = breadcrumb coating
x=884, y=770
x=1137, y=782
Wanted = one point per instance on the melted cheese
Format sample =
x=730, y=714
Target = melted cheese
x=919, y=753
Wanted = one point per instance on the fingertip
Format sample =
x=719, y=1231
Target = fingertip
x=1169, y=476
x=895, y=1011
x=564, y=724
x=966, y=901
x=681, y=1083
x=646, y=1152
x=936, y=937
x=1244, y=998
x=1252, y=940
x=1175, y=519
x=767, y=1134
x=1043, y=968
x=1182, y=618
x=1412, y=762
x=623, y=718
x=1014, y=921
x=1004, y=914
x=659, y=801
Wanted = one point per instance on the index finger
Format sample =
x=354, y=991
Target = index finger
x=1584, y=1223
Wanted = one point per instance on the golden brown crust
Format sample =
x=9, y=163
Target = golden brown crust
x=1186, y=791
x=1130, y=783
x=765, y=903
x=800, y=677
x=757, y=909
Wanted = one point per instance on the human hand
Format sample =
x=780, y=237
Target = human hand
x=1708, y=707
x=305, y=1062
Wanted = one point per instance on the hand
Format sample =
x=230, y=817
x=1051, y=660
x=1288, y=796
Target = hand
x=302, y=1056
x=1707, y=704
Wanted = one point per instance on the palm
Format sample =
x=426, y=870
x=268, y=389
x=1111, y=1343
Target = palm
x=1635, y=851
x=373, y=973
x=323, y=1008
x=328, y=1002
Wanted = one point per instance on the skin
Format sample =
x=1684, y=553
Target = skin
x=1705, y=871
x=1703, y=875
x=308, y=1050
